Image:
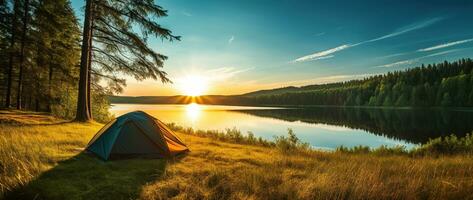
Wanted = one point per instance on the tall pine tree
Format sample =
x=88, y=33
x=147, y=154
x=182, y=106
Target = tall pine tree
x=110, y=44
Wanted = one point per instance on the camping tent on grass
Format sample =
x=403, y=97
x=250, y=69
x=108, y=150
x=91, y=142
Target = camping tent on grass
x=135, y=134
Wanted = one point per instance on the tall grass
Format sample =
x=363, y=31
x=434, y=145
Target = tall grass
x=45, y=162
x=26, y=151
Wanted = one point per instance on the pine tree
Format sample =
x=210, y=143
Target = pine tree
x=24, y=31
x=446, y=100
x=11, y=51
x=111, y=37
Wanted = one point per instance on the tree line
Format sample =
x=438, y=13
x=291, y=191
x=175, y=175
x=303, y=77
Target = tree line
x=446, y=84
x=49, y=64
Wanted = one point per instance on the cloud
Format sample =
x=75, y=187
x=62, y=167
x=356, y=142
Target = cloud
x=404, y=62
x=317, y=55
x=321, y=80
x=440, y=46
x=323, y=54
x=224, y=73
x=231, y=39
x=319, y=34
x=391, y=55
x=185, y=13
x=406, y=29
x=337, y=78
x=440, y=53
x=415, y=60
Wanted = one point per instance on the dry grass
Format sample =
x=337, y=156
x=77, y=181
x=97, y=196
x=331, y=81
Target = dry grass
x=42, y=161
x=28, y=150
x=216, y=170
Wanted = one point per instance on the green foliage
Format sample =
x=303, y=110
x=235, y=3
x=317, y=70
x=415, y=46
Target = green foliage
x=290, y=143
x=447, y=145
x=100, y=107
x=382, y=150
x=446, y=100
x=355, y=149
x=229, y=135
x=419, y=87
x=121, y=30
x=51, y=58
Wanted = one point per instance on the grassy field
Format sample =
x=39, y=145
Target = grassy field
x=42, y=157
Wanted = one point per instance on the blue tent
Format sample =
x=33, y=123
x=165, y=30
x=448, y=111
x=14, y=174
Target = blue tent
x=135, y=134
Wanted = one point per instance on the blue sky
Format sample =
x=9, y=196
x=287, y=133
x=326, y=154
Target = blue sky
x=241, y=46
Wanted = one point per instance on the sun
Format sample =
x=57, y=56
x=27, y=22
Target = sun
x=193, y=85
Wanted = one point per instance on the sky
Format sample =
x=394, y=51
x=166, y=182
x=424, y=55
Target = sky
x=239, y=46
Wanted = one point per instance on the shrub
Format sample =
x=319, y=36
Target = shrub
x=355, y=149
x=447, y=145
x=291, y=143
x=232, y=135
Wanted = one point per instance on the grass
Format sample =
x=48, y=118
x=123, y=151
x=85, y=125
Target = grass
x=44, y=160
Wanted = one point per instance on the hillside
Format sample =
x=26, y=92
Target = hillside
x=435, y=85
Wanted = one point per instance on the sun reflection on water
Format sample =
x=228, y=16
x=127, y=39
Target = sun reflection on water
x=193, y=112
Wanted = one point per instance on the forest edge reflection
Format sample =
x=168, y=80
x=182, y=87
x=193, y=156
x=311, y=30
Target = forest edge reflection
x=412, y=125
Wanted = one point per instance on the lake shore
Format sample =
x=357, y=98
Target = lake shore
x=42, y=157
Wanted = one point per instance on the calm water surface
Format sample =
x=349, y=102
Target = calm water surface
x=325, y=128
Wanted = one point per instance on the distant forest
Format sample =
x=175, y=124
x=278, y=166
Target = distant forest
x=447, y=84
x=443, y=84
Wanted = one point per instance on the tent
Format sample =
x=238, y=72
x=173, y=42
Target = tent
x=135, y=134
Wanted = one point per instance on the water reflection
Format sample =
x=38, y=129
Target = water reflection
x=321, y=127
x=412, y=125
x=193, y=112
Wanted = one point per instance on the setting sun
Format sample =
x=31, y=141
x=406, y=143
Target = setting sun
x=193, y=85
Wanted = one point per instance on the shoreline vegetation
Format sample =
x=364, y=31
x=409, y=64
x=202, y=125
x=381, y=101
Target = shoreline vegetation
x=42, y=157
x=448, y=145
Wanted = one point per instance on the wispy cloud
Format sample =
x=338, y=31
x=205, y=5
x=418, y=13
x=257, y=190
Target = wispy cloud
x=415, y=60
x=323, y=54
x=399, y=63
x=440, y=46
x=319, y=34
x=185, y=13
x=320, y=80
x=224, y=73
x=231, y=39
x=337, y=78
x=403, y=30
x=392, y=55
x=407, y=29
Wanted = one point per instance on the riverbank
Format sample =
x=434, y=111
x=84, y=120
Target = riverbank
x=41, y=157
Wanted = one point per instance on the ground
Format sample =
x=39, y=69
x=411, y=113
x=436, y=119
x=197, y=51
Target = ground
x=42, y=157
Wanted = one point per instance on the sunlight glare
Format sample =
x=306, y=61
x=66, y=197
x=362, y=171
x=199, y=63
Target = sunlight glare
x=193, y=85
x=193, y=111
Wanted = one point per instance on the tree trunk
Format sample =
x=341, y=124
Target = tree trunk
x=88, y=85
x=50, y=82
x=12, y=55
x=90, y=68
x=83, y=109
x=22, y=55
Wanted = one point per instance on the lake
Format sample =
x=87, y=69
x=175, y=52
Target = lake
x=322, y=127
